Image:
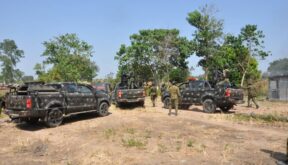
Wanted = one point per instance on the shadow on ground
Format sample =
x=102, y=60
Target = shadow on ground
x=129, y=106
x=67, y=120
x=278, y=156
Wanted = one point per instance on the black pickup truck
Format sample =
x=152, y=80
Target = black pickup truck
x=51, y=102
x=198, y=92
x=123, y=95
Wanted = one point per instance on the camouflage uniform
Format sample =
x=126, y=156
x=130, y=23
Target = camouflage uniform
x=225, y=83
x=153, y=94
x=252, y=93
x=174, y=98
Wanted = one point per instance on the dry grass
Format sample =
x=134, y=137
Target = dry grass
x=266, y=118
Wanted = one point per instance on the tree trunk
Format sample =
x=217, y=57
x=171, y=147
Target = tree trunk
x=243, y=78
x=206, y=73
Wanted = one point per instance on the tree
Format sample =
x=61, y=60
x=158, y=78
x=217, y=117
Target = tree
x=153, y=53
x=207, y=34
x=27, y=78
x=253, y=39
x=70, y=60
x=278, y=67
x=239, y=55
x=10, y=55
x=178, y=75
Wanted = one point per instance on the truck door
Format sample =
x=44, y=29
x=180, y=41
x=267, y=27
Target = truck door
x=88, y=99
x=185, y=93
x=73, y=98
x=197, y=89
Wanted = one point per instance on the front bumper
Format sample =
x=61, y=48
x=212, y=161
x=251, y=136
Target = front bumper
x=23, y=114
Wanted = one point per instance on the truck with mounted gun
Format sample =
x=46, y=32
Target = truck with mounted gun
x=50, y=103
x=200, y=92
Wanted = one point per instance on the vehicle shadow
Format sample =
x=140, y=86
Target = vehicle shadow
x=130, y=106
x=280, y=158
x=196, y=109
x=67, y=120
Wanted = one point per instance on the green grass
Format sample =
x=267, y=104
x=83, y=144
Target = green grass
x=190, y=143
x=130, y=130
x=268, y=118
x=162, y=148
x=109, y=133
x=132, y=142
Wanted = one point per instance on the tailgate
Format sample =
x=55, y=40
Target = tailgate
x=132, y=93
x=16, y=102
x=237, y=94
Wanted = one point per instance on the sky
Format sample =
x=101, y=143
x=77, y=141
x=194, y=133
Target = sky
x=108, y=24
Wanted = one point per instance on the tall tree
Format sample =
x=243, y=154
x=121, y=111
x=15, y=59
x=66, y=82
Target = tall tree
x=278, y=67
x=70, y=58
x=207, y=35
x=10, y=55
x=252, y=38
x=153, y=53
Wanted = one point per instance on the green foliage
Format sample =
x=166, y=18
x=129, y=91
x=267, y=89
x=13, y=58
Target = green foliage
x=70, y=60
x=179, y=75
x=208, y=32
x=132, y=142
x=27, y=78
x=279, y=66
x=10, y=55
x=237, y=56
x=153, y=53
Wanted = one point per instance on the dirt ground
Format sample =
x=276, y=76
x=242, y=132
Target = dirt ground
x=136, y=135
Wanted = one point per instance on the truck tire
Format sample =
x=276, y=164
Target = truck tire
x=166, y=102
x=54, y=118
x=226, y=108
x=209, y=106
x=142, y=103
x=103, y=109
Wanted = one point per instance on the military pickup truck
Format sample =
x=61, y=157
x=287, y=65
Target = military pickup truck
x=124, y=95
x=51, y=102
x=198, y=92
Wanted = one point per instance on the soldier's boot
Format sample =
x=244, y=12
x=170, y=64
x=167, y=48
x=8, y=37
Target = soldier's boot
x=249, y=105
x=255, y=102
x=169, y=110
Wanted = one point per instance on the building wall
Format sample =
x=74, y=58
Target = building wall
x=283, y=88
x=278, y=88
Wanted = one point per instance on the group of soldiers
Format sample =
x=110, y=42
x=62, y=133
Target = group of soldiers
x=174, y=96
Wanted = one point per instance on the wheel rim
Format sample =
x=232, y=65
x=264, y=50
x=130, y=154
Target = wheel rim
x=103, y=108
x=208, y=107
x=55, y=116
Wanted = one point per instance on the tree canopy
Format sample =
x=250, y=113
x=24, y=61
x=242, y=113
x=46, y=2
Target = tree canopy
x=69, y=59
x=278, y=67
x=154, y=53
x=10, y=55
x=207, y=35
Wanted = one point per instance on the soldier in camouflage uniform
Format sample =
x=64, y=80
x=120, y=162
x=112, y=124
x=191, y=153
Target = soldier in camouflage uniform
x=153, y=94
x=174, y=98
x=252, y=93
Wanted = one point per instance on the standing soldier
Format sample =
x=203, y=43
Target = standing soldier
x=174, y=98
x=153, y=94
x=252, y=93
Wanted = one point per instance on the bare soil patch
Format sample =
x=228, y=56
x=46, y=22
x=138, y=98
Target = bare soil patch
x=137, y=135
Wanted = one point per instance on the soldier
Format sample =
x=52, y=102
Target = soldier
x=174, y=98
x=225, y=83
x=153, y=94
x=252, y=93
